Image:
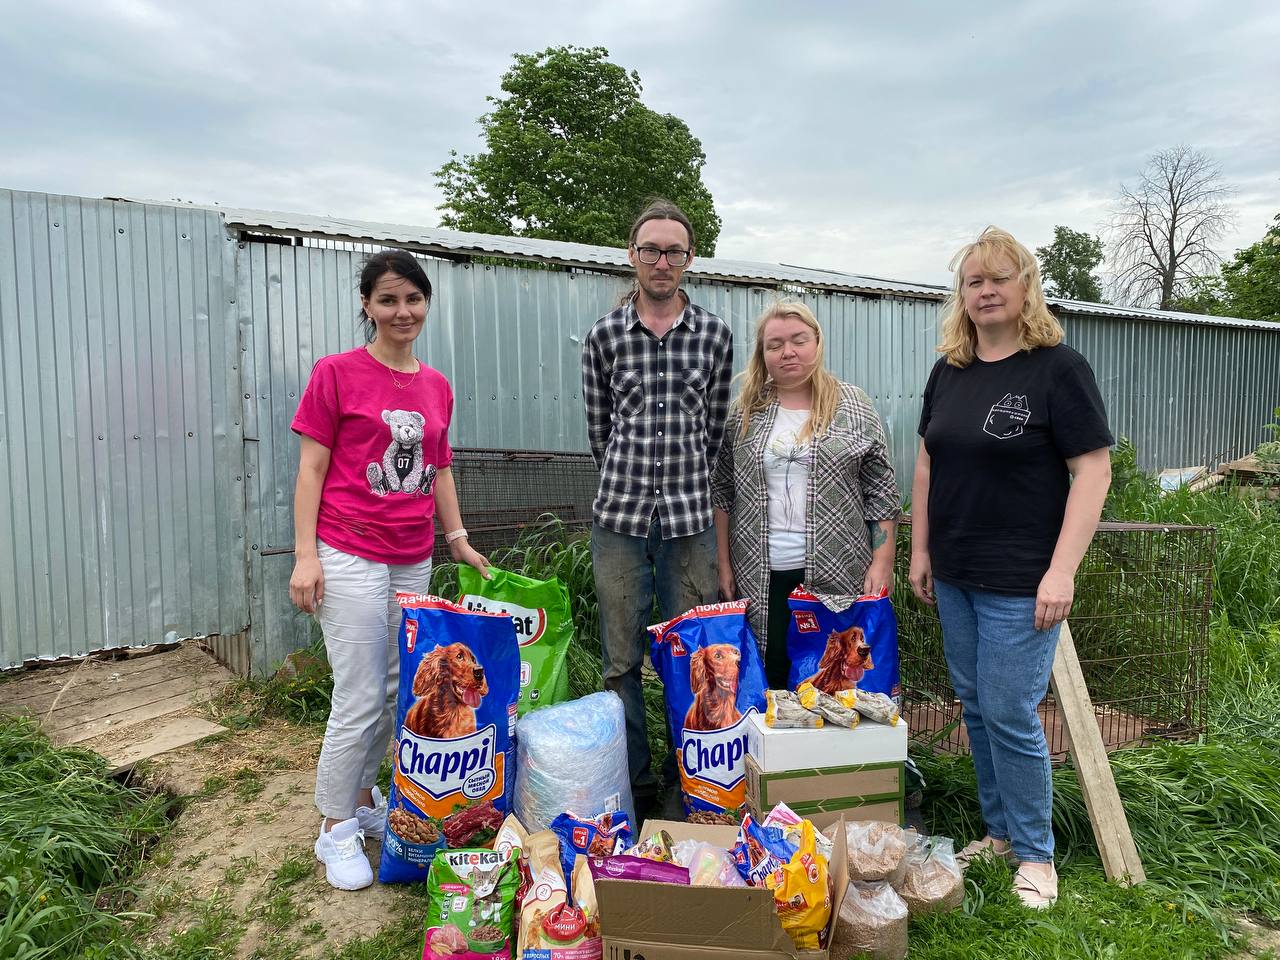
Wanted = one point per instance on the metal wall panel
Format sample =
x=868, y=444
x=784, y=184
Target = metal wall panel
x=152, y=363
x=120, y=506
x=509, y=339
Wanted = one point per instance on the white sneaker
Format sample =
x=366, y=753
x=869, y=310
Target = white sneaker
x=341, y=850
x=373, y=820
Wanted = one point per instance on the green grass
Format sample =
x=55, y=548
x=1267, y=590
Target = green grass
x=70, y=837
x=1092, y=919
x=1205, y=814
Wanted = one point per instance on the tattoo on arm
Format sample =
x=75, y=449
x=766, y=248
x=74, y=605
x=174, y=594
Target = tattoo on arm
x=878, y=535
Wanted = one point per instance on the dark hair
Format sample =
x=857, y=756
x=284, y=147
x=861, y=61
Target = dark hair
x=660, y=209
x=398, y=262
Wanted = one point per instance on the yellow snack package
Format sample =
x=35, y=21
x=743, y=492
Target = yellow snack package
x=811, y=698
x=802, y=893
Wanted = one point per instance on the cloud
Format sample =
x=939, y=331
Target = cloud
x=870, y=138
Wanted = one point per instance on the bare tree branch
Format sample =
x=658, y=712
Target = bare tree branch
x=1163, y=228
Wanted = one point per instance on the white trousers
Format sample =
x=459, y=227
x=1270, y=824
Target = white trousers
x=361, y=622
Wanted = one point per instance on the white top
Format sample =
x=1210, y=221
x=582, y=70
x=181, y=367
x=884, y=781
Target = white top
x=786, y=473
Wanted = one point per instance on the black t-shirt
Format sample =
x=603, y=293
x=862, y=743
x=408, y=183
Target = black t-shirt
x=998, y=437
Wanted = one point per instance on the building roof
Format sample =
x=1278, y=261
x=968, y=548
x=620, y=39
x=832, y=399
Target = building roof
x=433, y=240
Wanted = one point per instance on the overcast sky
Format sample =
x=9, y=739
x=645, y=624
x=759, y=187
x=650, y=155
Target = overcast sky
x=869, y=138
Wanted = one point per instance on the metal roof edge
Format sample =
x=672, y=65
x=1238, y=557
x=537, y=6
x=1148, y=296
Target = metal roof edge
x=611, y=259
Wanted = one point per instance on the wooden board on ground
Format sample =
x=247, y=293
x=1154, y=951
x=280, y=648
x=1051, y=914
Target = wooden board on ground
x=1119, y=854
x=125, y=710
x=170, y=734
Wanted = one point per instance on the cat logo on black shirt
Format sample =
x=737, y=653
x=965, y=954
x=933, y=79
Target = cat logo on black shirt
x=1008, y=417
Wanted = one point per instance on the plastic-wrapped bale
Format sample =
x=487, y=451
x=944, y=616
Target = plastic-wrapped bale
x=572, y=756
x=872, y=923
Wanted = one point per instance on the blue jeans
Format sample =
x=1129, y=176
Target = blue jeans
x=1000, y=665
x=630, y=572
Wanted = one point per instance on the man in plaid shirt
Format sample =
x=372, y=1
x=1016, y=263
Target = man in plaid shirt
x=655, y=380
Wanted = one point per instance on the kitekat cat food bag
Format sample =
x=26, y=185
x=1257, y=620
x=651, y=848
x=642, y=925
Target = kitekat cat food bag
x=710, y=669
x=456, y=711
x=852, y=649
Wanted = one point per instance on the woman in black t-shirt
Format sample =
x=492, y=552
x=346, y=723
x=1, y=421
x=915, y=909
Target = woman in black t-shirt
x=1011, y=475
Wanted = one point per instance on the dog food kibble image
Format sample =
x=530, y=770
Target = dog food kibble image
x=726, y=819
x=711, y=674
x=411, y=828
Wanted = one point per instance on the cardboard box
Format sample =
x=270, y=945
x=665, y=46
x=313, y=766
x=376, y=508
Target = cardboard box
x=874, y=791
x=780, y=749
x=667, y=921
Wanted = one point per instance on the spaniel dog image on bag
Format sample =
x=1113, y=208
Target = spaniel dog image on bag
x=713, y=678
x=845, y=661
x=449, y=685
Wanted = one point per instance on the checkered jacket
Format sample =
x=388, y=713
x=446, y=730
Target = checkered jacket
x=851, y=484
x=655, y=416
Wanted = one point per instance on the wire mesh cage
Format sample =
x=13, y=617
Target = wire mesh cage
x=1140, y=622
x=1140, y=618
x=504, y=491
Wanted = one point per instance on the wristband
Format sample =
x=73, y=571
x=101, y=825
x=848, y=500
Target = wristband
x=458, y=534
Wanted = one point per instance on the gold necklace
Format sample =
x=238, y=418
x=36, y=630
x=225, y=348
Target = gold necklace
x=401, y=385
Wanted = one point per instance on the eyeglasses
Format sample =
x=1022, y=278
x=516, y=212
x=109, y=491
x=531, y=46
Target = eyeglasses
x=651, y=255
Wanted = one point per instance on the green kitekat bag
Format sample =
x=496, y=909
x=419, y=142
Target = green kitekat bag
x=544, y=628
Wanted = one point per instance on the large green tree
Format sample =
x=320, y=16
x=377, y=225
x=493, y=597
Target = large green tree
x=1068, y=265
x=573, y=154
x=1252, y=279
x=1248, y=286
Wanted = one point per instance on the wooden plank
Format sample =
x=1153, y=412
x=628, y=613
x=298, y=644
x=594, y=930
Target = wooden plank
x=1120, y=857
x=91, y=679
x=66, y=717
x=93, y=697
x=131, y=718
x=169, y=735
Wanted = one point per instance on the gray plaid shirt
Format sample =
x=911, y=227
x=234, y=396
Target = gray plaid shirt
x=851, y=484
x=655, y=417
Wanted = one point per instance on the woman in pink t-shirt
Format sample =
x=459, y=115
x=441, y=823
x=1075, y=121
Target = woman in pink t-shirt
x=374, y=473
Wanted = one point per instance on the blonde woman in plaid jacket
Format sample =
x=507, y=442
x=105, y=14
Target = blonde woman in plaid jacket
x=803, y=489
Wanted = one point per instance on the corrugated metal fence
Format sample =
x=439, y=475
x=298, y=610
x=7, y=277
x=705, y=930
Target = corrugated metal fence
x=153, y=361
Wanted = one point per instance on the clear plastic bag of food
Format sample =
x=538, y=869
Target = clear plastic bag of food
x=871, y=924
x=877, y=851
x=811, y=698
x=783, y=709
x=708, y=866
x=877, y=706
x=933, y=881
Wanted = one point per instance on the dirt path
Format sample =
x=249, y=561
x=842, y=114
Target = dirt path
x=239, y=863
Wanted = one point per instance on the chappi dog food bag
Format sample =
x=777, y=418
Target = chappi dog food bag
x=852, y=649
x=711, y=673
x=456, y=712
x=544, y=628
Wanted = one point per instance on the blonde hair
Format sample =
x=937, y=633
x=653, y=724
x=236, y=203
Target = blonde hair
x=757, y=386
x=1037, y=327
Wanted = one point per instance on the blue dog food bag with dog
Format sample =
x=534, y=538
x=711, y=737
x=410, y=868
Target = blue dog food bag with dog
x=711, y=673
x=851, y=649
x=455, y=716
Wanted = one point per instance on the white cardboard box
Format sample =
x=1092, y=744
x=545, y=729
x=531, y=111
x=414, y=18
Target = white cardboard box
x=788, y=748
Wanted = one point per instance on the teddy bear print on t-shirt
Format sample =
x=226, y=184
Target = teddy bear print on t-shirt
x=402, y=469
